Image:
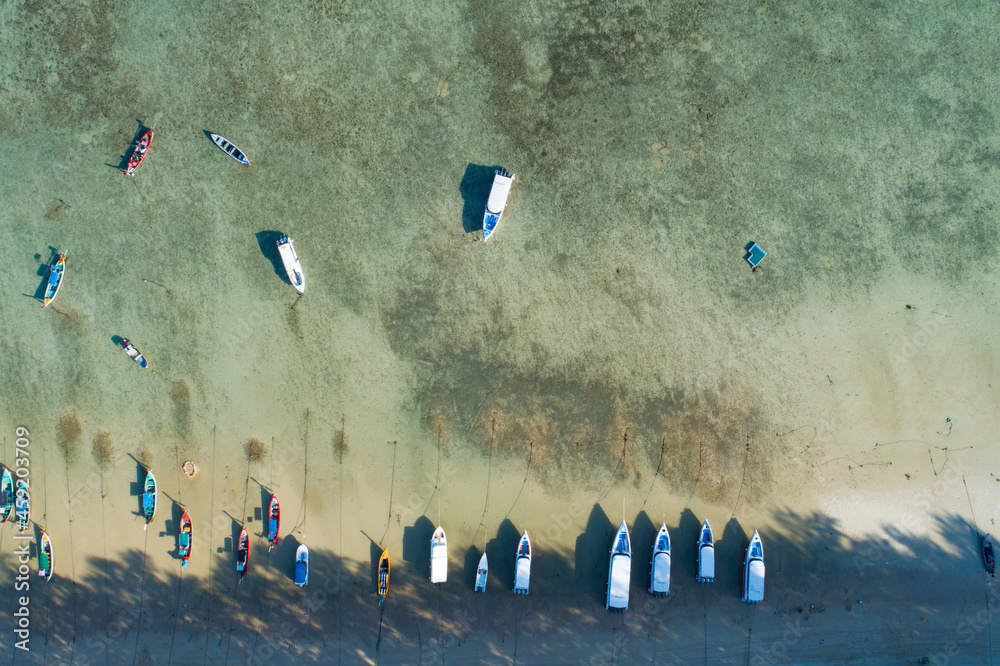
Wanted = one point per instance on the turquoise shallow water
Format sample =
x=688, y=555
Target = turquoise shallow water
x=651, y=142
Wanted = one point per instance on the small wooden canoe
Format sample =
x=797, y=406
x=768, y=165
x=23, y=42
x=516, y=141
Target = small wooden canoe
x=22, y=506
x=185, y=539
x=149, y=498
x=45, y=560
x=274, y=522
x=243, y=553
x=988, y=555
x=56, y=273
x=139, y=151
x=229, y=148
x=6, y=496
x=134, y=353
x=383, y=575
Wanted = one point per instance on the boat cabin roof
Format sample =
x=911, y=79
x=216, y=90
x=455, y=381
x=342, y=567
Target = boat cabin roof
x=754, y=581
x=706, y=561
x=499, y=193
x=522, y=573
x=661, y=572
x=618, y=581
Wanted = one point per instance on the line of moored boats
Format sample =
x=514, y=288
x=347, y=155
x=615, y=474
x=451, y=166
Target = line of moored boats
x=15, y=504
x=619, y=566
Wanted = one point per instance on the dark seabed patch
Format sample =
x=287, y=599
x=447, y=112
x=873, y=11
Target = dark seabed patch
x=180, y=395
x=102, y=449
x=67, y=433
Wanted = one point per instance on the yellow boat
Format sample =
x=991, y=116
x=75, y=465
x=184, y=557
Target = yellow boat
x=383, y=575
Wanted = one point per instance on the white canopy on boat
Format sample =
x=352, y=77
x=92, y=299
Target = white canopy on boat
x=439, y=557
x=499, y=193
x=661, y=573
x=754, y=591
x=618, y=581
x=706, y=562
x=522, y=575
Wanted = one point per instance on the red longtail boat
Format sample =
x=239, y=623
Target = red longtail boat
x=139, y=151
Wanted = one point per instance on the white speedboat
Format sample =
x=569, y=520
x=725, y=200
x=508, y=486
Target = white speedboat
x=502, y=182
x=482, y=571
x=706, y=554
x=439, y=556
x=753, y=571
x=619, y=570
x=522, y=565
x=659, y=576
x=302, y=566
x=229, y=148
x=290, y=259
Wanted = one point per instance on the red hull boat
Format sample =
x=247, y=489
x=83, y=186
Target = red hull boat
x=139, y=152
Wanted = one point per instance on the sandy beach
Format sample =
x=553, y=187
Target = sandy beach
x=607, y=355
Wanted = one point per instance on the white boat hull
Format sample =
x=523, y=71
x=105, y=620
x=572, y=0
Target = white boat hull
x=482, y=573
x=659, y=576
x=753, y=571
x=286, y=250
x=439, y=557
x=619, y=570
x=522, y=565
x=497, y=202
x=706, y=554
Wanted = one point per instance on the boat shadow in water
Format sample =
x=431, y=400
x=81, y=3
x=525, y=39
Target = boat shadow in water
x=138, y=489
x=503, y=549
x=374, y=554
x=684, y=551
x=417, y=544
x=475, y=190
x=643, y=533
x=470, y=565
x=172, y=526
x=593, y=550
x=268, y=243
x=731, y=550
x=283, y=556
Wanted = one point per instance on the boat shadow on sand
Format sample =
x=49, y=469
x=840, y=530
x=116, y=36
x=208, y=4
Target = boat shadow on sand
x=268, y=243
x=590, y=572
x=475, y=190
x=417, y=544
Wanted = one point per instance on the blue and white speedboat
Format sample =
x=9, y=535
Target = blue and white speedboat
x=659, y=570
x=502, y=183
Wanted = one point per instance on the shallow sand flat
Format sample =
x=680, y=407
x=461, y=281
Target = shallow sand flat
x=609, y=333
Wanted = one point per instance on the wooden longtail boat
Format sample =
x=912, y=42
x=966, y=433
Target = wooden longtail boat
x=56, y=274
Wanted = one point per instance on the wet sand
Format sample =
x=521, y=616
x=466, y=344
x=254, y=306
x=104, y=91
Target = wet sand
x=606, y=356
